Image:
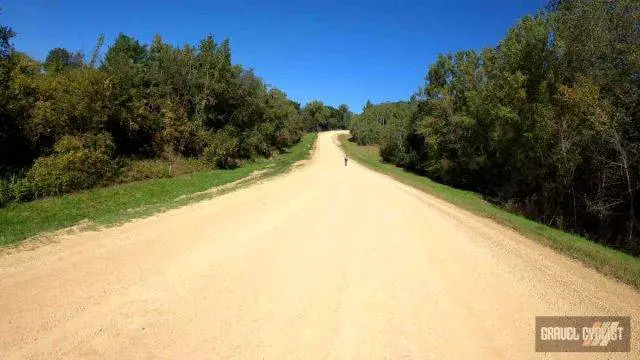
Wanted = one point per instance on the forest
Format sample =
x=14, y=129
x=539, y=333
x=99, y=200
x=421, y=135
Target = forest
x=545, y=124
x=137, y=111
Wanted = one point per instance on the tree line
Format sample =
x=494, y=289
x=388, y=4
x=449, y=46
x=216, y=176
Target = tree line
x=137, y=111
x=546, y=123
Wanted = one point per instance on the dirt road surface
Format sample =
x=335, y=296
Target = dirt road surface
x=326, y=262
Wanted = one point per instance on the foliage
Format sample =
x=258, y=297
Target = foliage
x=220, y=149
x=152, y=101
x=320, y=117
x=77, y=163
x=386, y=124
x=6, y=34
x=60, y=59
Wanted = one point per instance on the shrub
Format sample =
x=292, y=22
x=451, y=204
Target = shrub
x=286, y=138
x=221, y=150
x=21, y=190
x=78, y=162
x=16, y=189
x=253, y=145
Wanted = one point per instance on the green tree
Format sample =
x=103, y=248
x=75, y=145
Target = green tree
x=6, y=34
x=316, y=115
x=345, y=116
x=60, y=59
x=125, y=50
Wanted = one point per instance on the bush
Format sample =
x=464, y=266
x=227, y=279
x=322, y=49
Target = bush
x=22, y=190
x=78, y=162
x=287, y=137
x=221, y=150
x=253, y=145
x=15, y=189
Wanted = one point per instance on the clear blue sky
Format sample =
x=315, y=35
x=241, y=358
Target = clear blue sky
x=338, y=52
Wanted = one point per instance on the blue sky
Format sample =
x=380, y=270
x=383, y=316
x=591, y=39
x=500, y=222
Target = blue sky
x=338, y=52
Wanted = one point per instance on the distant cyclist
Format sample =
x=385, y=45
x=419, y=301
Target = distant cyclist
x=345, y=159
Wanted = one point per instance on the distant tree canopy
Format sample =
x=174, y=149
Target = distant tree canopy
x=60, y=59
x=319, y=117
x=380, y=123
x=546, y=123
x=6, y=34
